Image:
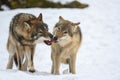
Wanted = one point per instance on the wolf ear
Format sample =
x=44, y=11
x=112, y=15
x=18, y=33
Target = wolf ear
x=75, y=25
x=61, y=19
x=27, y=26
x=39, y=17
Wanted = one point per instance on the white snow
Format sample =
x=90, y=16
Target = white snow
x=62, y=1
x=4, y=7
x=99, y=55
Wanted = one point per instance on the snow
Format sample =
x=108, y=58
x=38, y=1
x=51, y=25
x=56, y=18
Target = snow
x=62, y=1
x=4, y=7
x=99, y=55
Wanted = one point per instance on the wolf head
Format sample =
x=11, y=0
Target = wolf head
x=64, y=30
x=37, y=30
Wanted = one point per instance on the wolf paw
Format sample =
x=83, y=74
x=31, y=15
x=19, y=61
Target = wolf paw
x=32, y=71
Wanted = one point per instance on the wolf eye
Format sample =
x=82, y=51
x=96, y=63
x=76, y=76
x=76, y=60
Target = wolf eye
x=58, y=28
x=45, y=26
x=65, y=32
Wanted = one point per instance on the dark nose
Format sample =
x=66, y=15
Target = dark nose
x=55, y=38
x=51, y=36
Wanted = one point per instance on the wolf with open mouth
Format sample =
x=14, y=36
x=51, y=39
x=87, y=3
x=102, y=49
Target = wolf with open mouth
x=25, y=32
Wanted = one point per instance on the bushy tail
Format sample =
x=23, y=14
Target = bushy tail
x=15, y=59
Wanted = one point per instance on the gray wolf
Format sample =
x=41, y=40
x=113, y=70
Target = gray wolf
x=25, y=32
x=64, y=48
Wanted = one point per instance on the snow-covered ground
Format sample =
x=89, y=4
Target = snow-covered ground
x=99, y=55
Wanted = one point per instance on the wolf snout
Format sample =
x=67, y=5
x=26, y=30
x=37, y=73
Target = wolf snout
x=55, y=38
x=51, y=36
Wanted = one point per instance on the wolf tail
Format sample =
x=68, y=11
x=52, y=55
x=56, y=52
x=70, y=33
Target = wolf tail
x=15, y=59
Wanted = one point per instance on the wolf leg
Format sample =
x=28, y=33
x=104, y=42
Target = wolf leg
x=69, y=63
x=57, y=65
x=25, y=63
x=73, y=64
x=18, y=54
x=52, y=67
x=10, y=61
x=30, y=55
x=11, y=51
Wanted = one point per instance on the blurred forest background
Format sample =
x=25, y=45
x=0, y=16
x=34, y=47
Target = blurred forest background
x=13, y=4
